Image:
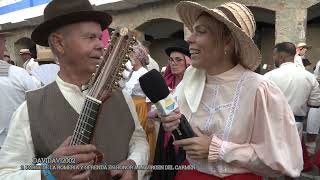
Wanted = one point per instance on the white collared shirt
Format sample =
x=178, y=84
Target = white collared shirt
x=30, y=65
x=133, y=87
x=298, y=61
x=18, y=148
x=299, y=86
x=12, y=93
x=152, y=64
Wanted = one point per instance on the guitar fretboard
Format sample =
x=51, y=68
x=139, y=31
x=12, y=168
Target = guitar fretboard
x=86, y=122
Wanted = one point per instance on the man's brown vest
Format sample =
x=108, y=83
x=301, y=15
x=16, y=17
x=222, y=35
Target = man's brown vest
x=52, y=120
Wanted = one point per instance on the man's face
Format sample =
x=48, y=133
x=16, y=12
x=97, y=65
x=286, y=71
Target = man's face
x=303, y=51
x=6, y=58
x=83, y=47
x=25, y=57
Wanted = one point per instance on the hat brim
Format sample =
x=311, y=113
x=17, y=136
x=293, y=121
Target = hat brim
x=306, y=46
x=184, y=51
x=41, y=33
x=250, y=56
x=20, y=53
x=45, y=60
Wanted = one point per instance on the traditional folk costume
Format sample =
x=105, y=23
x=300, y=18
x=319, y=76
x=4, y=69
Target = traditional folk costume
x=243, y=112
x=167, y=153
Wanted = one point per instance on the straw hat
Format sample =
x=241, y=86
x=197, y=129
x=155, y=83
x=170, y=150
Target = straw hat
x=59, y=13
x=24, y=51
x=237, y=18
x=45, y=55
x=304, y=45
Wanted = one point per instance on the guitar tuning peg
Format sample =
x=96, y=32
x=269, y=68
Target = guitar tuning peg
x=127, y=57
x=123, y=65
x=132, y=42
x=97, y=66
x=121, y=69
x=93, y=74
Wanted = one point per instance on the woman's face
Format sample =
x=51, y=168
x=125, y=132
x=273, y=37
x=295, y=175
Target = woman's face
x=134, y=60
x=177, y=63
x=206, y=47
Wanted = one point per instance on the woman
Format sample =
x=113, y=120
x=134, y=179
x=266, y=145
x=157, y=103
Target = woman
x=139, y=61
x=179, y=60
x=166, y=153
x=242, y=122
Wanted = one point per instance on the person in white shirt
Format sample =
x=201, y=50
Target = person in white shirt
x=313, y=121
x=29, y=63
x=41, y=126
x=139, y=61
x=47, y=71
x=152, y=63
x=299, y=86
x=301, y=50
x=14, y=83
x=13, y=88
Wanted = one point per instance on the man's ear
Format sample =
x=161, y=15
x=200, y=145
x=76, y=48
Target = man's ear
x=57, y=42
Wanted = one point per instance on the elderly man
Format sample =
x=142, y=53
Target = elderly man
x=73, y=31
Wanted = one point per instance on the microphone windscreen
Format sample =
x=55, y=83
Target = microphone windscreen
x=154, y=86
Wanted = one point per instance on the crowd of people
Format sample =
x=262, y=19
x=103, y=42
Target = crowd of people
x=247, y=126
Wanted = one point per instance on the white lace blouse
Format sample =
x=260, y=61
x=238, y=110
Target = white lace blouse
x=250, y=118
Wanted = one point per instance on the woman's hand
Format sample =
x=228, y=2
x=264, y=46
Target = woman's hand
x=150, y=126
x=196, y=147
x=171, y=122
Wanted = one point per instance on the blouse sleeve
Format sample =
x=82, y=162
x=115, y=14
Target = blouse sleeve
x=275, y=146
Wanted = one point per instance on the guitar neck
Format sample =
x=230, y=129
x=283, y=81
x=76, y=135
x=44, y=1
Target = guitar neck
x=102, y=83
x=86, y=123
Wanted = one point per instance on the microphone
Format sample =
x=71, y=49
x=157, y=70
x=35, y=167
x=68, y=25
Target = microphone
x=155, y=88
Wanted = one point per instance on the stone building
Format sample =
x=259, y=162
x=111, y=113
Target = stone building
x=157, y=21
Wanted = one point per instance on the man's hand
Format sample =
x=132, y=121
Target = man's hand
x=196, y=147
x=83, y=154
x=172, y=121
x=125, y=174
